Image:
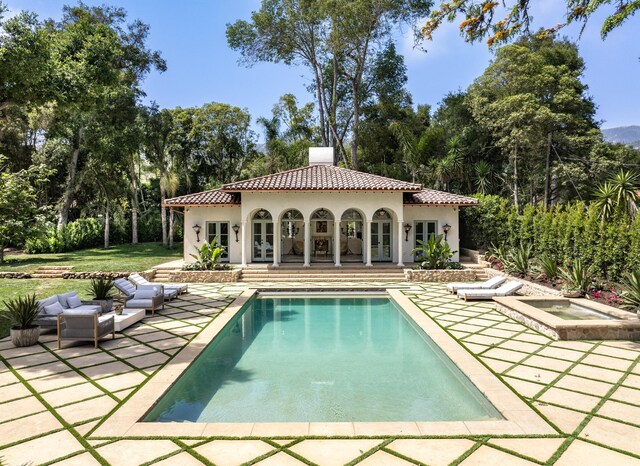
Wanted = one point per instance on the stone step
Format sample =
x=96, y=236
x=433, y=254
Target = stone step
x=55, y=267
x=322, y=279
x=46, y=275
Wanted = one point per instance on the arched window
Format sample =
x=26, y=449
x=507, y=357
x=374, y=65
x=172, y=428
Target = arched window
x=381, y=214
x=291, y=215
x=262, y=215
x=351, y=215
x=322, y=214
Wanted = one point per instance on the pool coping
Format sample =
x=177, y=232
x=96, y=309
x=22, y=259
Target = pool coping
x=519, y=418
x=517, y=307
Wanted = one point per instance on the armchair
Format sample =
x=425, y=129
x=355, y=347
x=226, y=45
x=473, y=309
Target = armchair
x=84, y=327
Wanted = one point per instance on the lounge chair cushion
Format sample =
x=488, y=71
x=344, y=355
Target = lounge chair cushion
x=125, y=286
x=54, y=309
x=73, y=302
x=145, y=294
x=140, y=303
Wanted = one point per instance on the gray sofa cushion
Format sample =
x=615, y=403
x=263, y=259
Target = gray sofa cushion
x=53, y=309
x=85, y=309
x=73, y=302
x=44, y=320
x=47, y=301
x=63, y=298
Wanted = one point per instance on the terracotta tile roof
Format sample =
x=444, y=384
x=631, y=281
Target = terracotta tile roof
x=321, y=178
x=213, y=197
x=433, y=197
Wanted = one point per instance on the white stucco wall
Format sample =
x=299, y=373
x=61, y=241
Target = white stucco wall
x=442, y=215
x=201, y=215
x=277, y=203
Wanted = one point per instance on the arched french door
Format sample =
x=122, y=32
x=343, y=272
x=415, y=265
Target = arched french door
x=351, y=236
x=262, y=237
x=381, y=236
x=322, y=236
x=292, y=230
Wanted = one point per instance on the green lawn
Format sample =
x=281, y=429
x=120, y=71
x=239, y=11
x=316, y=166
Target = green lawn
x=12, y=288
x=120, y=258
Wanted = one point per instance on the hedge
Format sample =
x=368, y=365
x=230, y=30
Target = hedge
x=567, y=232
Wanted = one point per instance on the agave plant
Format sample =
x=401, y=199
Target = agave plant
x=482, y=175
x=578, y=277
x=631, y=292
x=548, y=267
x=21, y=312
x=518, y=260
x=434, y=253
x=101, y=289
x=496, y=253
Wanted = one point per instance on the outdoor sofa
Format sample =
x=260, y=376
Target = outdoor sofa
x=485, y=285
x=149, y=297
x=138, y=279
x=57, y=304
x=505, y=290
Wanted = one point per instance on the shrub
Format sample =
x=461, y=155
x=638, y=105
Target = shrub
x=631, y=292
x=517, y=260
x=79, y=234
x=208, y=257
x=548, y=267
x=435, y=253
x=577, y=277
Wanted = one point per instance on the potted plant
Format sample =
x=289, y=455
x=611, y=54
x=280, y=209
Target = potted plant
x=118, y=308
x=102, y=291
x=21, y=312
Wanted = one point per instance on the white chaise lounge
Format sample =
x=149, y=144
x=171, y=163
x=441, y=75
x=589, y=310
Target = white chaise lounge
x=505, y=290
x=138, y=279
x=485, y=285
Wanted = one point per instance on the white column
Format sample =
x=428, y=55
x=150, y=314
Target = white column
x=307, y=243
x=337, y=237
x=276, y=243
x=400, y=240
x=368, y=244
x=243, y=244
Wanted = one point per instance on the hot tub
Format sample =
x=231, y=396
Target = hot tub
x=571, y=319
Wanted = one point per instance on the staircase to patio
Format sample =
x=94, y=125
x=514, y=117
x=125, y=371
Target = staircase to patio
x=51, y=271
x=322, y=273
x=163, y=271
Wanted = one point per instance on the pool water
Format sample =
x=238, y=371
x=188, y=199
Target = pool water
x=570, y=311
x=322, y=359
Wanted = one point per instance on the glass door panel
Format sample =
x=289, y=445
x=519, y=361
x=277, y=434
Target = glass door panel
x=257, y=241
x=375, y=239
x=267, y=245
x=386, y=242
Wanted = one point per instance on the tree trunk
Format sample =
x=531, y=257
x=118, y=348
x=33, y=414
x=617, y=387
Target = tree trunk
x=1, y=253
x=106, y=226
x=67, y=196
x=171, y=228
x=355, y=129
x=547, y=174
x=134, y=205
x=515, y=179
x=163, y=213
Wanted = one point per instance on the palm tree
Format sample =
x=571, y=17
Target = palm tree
x=605, y=200
x=482, y=172
x=408, y=146
x=625, y=186
x=449, y=167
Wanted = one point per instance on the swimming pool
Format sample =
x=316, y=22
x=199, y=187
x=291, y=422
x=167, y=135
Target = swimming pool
x=322, y=359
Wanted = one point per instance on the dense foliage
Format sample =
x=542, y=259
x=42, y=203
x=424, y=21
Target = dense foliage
x=571, y=232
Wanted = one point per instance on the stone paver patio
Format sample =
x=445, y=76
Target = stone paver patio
x=51, y=401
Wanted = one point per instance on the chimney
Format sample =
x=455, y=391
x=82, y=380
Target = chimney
x=320, y=155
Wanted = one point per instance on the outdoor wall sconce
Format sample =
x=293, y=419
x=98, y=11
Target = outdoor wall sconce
x=196, y=228
x=236, y=229
x=446, y=227
x=407, y=229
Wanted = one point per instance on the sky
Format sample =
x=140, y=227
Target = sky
x=202, y=68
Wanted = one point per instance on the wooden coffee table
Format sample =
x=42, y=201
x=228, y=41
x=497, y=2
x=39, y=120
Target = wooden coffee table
x=127, y=318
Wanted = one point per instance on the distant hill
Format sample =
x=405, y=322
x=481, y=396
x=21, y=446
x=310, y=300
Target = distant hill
x=629, y=135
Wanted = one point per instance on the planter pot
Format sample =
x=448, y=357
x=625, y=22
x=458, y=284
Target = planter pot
x=105, y=304
x=25, y=337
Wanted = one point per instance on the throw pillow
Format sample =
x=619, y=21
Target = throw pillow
x=54, y=309
x=74, y=301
